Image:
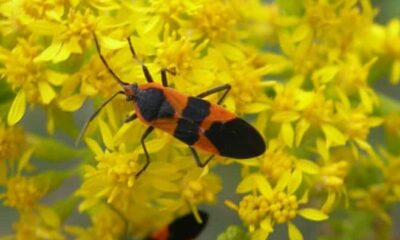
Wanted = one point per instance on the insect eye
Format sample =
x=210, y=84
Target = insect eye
x=130, y=97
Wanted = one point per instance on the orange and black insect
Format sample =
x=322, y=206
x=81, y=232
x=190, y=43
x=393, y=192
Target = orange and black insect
x=183, y=228
x=194, y=121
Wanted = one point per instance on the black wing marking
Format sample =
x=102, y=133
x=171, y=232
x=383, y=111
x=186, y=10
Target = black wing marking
x=236, y=138
x=187, y=227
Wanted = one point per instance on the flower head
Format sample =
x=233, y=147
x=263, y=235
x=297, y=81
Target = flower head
x=22, y=193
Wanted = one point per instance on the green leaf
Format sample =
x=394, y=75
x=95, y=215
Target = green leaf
x=49, y=149
x=65, y=207
x=233, y=232
x=291, y=7
x=51, y=180
x=65, y=122
x=388, y=104
x=6, y=94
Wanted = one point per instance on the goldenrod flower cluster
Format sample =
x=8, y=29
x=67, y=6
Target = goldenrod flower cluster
x=307, y=74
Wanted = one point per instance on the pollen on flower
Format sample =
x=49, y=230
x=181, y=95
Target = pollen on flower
x=41, y=224
x=22, y=193
x=196, y=192
x=332, y=175
x=178, y=54
x=120, y=168
x=80, y=25
x=276, y=162
x=96, y=80
x=215, y=20
x=246, y=86
x=22, y=72
x=357, y=124
x=168, y=9
x=253, y=209
x=107, y=225
x=40, y=9
x=283, y=207
x=284, y=100
x=317, y=109
x=12, y=139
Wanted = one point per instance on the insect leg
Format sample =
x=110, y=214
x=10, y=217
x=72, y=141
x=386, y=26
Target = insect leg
x=105, y=62
x=146, y=71
x=130, y=118
x=197, y=159
x=95, y=114
x=145, y=134
x=225, y=87
x=164, y=75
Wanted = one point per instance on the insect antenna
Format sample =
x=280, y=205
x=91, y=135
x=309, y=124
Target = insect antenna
x=94, y=115
x=120, y=82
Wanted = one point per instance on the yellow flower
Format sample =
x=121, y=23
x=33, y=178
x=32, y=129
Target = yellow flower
x=43, y=223
x=214, y=20
x=274, y=206
x=48, y=9
x=372, y=199
x=106, y=225
x=278, y=161
x=22, y=193
x=240, y=70
x=159, y=13
x=32, y=81
x=69, y=36
x=356, y=124
x=114, y=173
x=392, y=124
x=12, y=142
x=179, y=54
x=391, y=47
x=200, y=190
x=352, y=78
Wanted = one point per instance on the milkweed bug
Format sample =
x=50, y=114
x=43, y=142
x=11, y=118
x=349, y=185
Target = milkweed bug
x=183, y=228
x=194, y=121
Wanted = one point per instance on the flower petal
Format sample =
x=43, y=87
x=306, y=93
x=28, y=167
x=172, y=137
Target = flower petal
x=111, y=43
x=301, y=129
x=72, y=103
x=94, y=146
x=263, y=186
x=308, y=166
x=295, y=181
x=17, y=109
x=287, y=134
x=106, y=134
x=293, y=232
x=247, y=184
x=255, y=107
x=232, y=52
x=24, y=160
x=50, y=52
x=395, y=72
x=313, y=214
x=46, y=92
x=56, y=78
x=333, y=135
